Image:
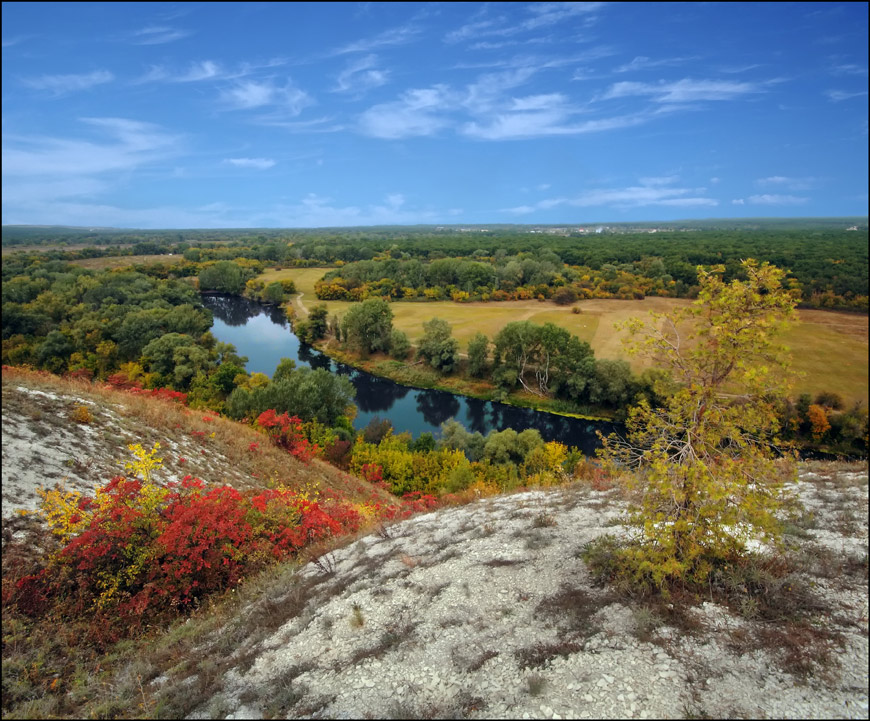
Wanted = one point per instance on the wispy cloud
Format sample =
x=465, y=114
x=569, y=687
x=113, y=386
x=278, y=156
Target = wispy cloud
x=788, y=183
x=10, y=42
x=837, y=96
x=123, y=145
x=416, y=113
x=771, y=199
x=253, y=94
x=394, y=36
x=256, y=163
x=159, y=35
x=59, y=85
x=649, y=192
x=361, y=75
x=644, y=63
x=315, y=211
x=206, y=70
x=538, y=16
x=849, y=69
x=683, y=91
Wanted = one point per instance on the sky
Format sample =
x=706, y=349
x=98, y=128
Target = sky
x=261, y=115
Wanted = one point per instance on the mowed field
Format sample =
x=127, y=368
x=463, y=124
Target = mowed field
x=829, y=349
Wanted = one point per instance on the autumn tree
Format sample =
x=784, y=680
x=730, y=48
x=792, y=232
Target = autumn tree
x=704, y=464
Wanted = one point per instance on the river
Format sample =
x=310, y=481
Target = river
x=263, y=334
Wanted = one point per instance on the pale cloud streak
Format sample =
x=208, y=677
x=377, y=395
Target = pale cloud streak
x=256, y=163
x=361, y=75
x=159, y=35
x=644, y=63
x=416, y=113
x=253, y=94
x=125, y=145
x=539, y=15
x=788, y=183
x=836, y=96
x=394, y=36
x=775, y=199
x=683, y=91
x=59, y=85
x=649, y=192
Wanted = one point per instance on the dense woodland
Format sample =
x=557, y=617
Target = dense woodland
x=829, y=264
x=144, y=324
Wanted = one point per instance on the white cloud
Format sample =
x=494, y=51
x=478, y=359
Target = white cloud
x=258, y=163
x=158, y=35
x=394, y=36
x=315, y=211
x=126, y=144
x=204, y=70
x=849, y=69
x=539, y=15
x=416, y=113
x=683, y=91
x=361, y=75
x=650, y=192
x=782, y=181
x=64, y=84
x=837, y=96
x=250, y=94
x=773, y=199
x=643, y=63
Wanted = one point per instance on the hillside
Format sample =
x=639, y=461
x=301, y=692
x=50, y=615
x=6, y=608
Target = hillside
x=479, y=611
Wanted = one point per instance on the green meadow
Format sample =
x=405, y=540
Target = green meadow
x=829, y=349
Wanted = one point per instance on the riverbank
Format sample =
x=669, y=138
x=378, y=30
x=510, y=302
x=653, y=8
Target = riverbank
x=419, y=375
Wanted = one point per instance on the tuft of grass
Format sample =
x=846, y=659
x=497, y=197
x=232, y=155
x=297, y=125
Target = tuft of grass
x=357, y=620
x=535, y=684
x=544, y=520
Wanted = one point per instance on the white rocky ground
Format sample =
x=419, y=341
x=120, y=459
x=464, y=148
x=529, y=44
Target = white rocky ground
x=487, y=611
x=42, y=447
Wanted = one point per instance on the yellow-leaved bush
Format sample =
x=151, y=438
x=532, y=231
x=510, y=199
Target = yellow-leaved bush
x=707, y=465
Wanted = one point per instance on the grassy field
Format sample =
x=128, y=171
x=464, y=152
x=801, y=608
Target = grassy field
x=829, y=349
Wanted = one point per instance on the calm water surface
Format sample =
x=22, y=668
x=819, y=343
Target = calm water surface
x=263, y=334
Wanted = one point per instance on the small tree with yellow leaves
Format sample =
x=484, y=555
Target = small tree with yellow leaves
x=704, y=466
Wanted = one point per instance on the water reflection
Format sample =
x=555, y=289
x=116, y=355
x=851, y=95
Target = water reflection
x=263, y=335
x=236, y=311
x=375, y=394
x=437, y=406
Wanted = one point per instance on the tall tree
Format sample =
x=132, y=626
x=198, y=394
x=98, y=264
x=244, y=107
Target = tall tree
x=438, y=346
x=367, y=326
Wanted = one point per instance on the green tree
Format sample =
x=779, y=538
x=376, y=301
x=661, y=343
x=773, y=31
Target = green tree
x=704, y=463
x=274, y=293
x=400, y=344
x=544, y=359
x=224, y=276
x=438, y=346
x=367, y=326
x=478, y=352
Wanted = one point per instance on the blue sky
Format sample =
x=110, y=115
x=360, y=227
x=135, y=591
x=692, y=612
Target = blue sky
x=219, y=115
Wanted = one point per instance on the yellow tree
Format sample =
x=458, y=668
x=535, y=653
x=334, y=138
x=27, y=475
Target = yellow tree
x=704, y=465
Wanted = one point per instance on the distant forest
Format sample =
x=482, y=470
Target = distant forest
x=827, y=257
